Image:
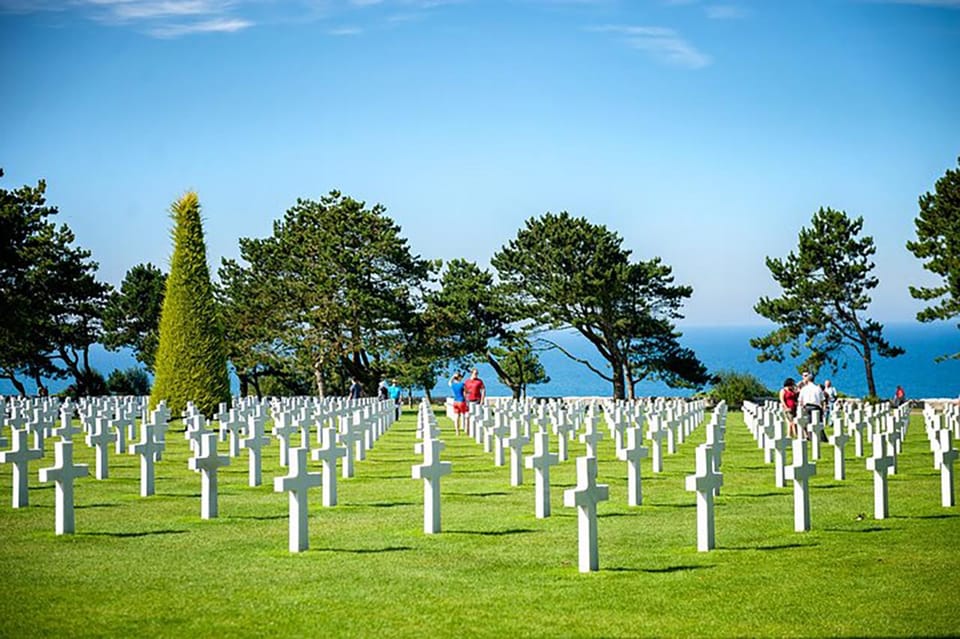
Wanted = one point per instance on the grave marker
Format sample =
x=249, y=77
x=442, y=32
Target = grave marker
x=704, y=482
x=327, y=454
x=632, y=453
x=541, y=461
x=585, y=497
x=20, y=456
x=430, y=471
x=206, y=463
x=800, y=472
x=63, y=473
x=296, y=483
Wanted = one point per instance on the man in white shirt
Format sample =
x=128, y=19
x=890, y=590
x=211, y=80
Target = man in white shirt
x=811, y=400
x=829, y=399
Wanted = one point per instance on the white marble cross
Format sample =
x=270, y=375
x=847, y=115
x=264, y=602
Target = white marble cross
x=20, y=456
x=67, y=430
x=349, y=438
x=800, y=472
x=591, y=438
x=100, y=439
x=232, y=424
x=430, y=471
x=857, y=428
x=704, y=482
x=283, y=429
x=63, y=473
x=499, y=435
x=880, y=464
x=779, y=444
x=328, y=453
x=946, y=454
x=147, y=448
x=515, y=443
x=839, y=441
x=541, y=461
x=562, y=428
x=632, y=453
x=296, y=483
x=206, y=463
x=255, y=441
x=657, y=435
x=585, y=497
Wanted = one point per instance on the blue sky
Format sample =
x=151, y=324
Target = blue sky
x=704, y=132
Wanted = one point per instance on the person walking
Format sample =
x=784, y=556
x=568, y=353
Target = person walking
x=811, y=401
x=829, y=399
x=459, y=401
x=355, y=388
x=394, y=390
x=788, y=403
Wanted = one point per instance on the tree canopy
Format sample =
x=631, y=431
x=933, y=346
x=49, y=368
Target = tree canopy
x=131, y=317
x=338, y=286
x=938, y=246
x=826, y=286
x=50, y=299
x=565, y=272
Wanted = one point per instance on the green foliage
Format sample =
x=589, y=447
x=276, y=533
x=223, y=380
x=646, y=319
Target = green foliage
x=338, y=288
x=565, y=272
x=191, y=362
x=826, y=288
x=130, y=381
x=50, y=299
x=735, y=387
x=495, y=570
x=517, y=365
x=938, y=245
x=132, y=314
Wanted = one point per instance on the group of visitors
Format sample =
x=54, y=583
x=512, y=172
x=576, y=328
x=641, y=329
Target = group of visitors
x=471, y=391
x=815, y=402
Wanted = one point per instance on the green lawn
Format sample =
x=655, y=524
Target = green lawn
x=152, y=567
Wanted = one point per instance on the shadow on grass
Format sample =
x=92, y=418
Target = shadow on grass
x=490, y=494
x=693, y=505
x=767, y=548
x=129, y=535
x=630, y=514
x=656, y=571
x=389, y=504
x=871, y=529
x=259, y=517
x=940, y=516
x=492, y=533
x=192, y=495
x=755, y=495
x=365, y=551
x=79, y=506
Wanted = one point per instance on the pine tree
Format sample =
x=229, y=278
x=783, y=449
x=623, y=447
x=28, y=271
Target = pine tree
x=191, y=362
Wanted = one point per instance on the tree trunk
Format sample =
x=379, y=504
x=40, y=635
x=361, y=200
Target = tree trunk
x=868, y=368
x=515, y=388
x=318, y=376
x=426, y=393
x=619, y=388
x=16, y=383
x=244, y=384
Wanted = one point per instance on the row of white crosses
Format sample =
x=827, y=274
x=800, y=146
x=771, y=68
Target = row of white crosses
x=508, y=426
x=102, y=430
x=432, y=469
x=942, y=424
x=883, y=425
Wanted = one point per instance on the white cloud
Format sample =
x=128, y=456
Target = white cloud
x=216, y=25
x=663, y=44
x=345, y=31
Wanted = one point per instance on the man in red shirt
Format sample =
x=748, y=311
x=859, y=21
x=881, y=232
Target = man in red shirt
x=473, y=388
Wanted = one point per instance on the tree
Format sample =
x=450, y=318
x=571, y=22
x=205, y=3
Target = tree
x=565, y=272
x=517, y=365
x=50, y=299
x=938, y=245
x=339, y=287
x=191, y=363
x=826, y=288
x=130, y=381
x=131, y=317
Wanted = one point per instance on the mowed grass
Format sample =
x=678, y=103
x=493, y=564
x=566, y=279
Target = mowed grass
x=151, y=567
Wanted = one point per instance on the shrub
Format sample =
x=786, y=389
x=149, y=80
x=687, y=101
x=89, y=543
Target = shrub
x=735, y=387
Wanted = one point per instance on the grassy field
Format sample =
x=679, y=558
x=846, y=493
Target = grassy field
x=151, y=567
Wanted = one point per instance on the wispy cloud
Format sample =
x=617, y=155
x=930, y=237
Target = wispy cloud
x=216, y=25
x=725, y=12
x=662, y=43
x=345, y=31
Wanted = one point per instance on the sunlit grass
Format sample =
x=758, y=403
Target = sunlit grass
x=151, y=566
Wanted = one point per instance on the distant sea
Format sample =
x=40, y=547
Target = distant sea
x=719, y=347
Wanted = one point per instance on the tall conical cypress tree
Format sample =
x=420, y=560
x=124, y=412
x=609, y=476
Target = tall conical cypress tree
x=191, y=362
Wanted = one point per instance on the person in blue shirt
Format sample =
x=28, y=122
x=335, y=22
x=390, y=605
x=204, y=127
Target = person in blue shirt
x=459, y=401
x=394, y=390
